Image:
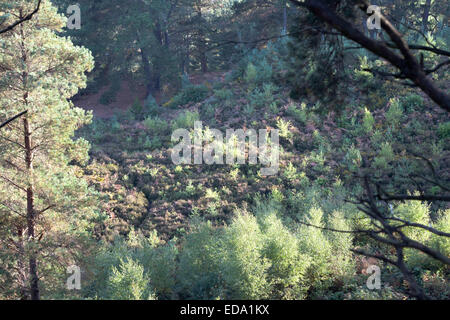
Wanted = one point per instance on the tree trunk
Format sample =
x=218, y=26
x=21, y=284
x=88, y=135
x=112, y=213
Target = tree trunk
x=426, y=14
x=284, y=31
x=201, y=42
x=22, y=272
x=31, y=213
x=147, y=72
x=203, y=60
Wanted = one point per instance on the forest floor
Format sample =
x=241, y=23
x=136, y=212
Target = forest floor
x=124, y=100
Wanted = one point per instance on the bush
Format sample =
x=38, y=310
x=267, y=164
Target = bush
x=353, y=158
x=258, y=73
x=368, y=122
x=191, y=94
x=208, y=112
x=251, y=73
x=444, y=130
x=284, y=127
x=395, y=113
x=269, y=63
x=244, y=268
x=129, y=282
x=441, y=243
x=137, y=110
x=249, y=110
x=185, y=120
x=262, y=98
x=224, y=94
x=299, y=114
x=412, y=102
x=385, y=156
x=109, y=96
x=151, y=107
x=160, y=264
x=200, y=263
x=156, y=126
x=313, y=243
x=287, y=265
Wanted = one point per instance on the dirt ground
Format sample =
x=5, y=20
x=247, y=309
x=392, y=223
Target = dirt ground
x=124, y=100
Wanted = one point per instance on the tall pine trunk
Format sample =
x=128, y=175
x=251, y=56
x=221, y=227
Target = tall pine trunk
x=31, y=213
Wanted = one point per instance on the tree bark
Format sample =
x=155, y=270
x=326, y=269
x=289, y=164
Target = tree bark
x=147, y=72
x=426, y=14
x=31, y=212
x=284, y=31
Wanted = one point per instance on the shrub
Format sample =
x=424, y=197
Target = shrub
x=368, y=122
x=268, y=62
x=313, y=242
x=444, y=130
x=353, y=158
x=185, y=120
x=258, y=74
x=385, y=156
x=415, y=212
x=365, y=78
x=208, y=112
x=129, y=282
x=151, y=107
x=191, y=94
x=287, y=265
x=284, y=127
x=262, y=98
x=395, y=113
x=342, y=264
x=137, y=110
x=249, y=110
x=441, y=243
x=109, y=96
x=199, y=267
x=244, y=268
x=412, y=102
x=185, y=82
x=156, y=126
x=153, y=143
x=299, y=114
x=160, y=264
x=224, y=94
x=251, y=74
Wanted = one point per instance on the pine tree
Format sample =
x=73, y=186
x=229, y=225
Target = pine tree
x=43, y=201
